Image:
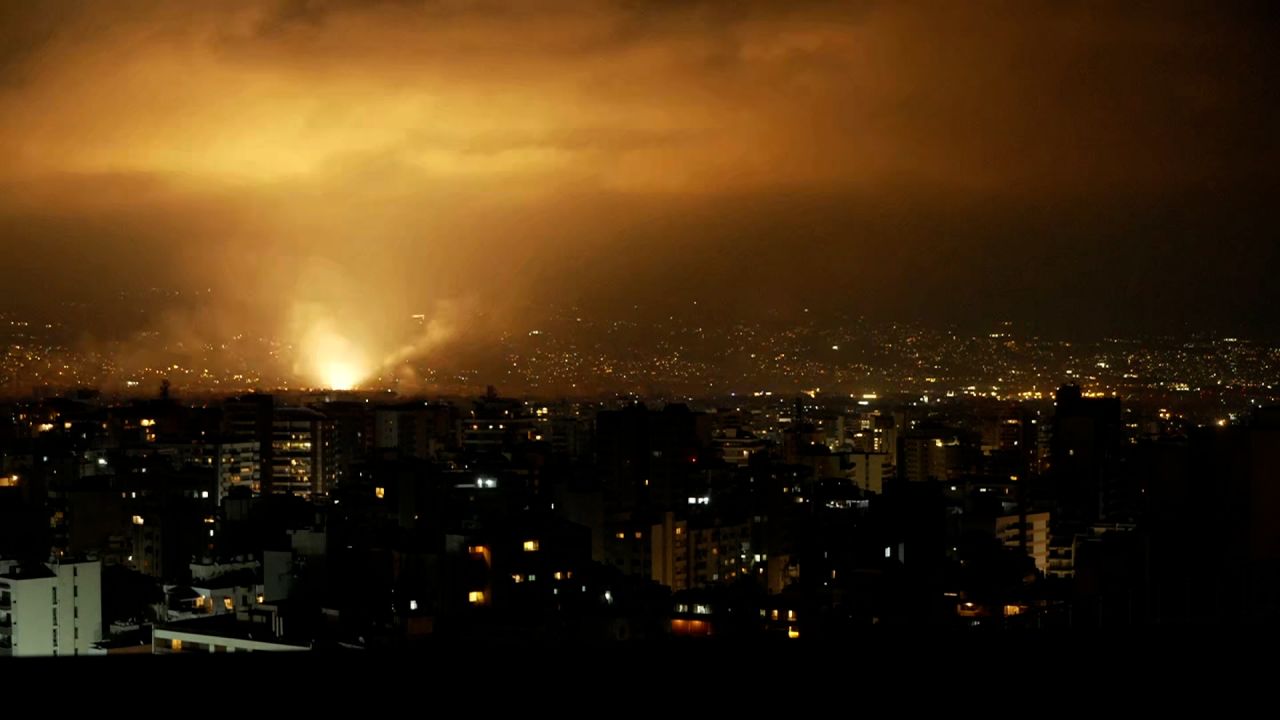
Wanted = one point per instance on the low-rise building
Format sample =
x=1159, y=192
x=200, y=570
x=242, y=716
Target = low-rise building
x=260, y=630
x=50, y=608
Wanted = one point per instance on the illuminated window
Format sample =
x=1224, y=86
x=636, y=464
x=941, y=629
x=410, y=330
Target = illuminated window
x=774, y=615
x=701, y=609
x=200, y=600
x=639, y=535
x=380, y=492
x=621, y=536
x=791, y=615
x=261, y=598
x=228, y=603
x=679, y=531
x=517, y=578
x=558, y=575
x=137, y=520
x=690, y=627
x=175, y=644
x=530, y=545
x=793, y=633
x=476, y=597
x=413, y=604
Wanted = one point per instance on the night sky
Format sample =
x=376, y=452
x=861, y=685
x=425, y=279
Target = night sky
x=326, y=169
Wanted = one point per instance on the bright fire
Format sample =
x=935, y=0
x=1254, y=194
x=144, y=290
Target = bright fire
x=339, y=374
x=330, y=359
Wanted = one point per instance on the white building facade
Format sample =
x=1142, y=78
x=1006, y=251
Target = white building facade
x=50, y=609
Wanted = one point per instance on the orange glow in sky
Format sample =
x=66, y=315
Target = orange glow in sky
x=472, y=164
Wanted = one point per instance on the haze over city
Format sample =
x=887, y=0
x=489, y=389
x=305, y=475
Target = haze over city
x=318, y=173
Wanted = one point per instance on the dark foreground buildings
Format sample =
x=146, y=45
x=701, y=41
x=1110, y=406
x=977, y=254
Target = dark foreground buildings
x=300, y=522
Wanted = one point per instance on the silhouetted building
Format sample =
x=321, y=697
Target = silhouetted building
x=935, y=454
x=651, y=457
x=1085, y=457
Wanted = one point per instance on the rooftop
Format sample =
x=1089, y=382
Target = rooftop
x=227, y=626
x=32, y=571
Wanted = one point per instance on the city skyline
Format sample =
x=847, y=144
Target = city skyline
x=699, y=353
x=331, y=329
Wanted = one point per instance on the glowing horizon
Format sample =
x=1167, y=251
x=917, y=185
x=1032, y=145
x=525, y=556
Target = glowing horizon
x=375, y=161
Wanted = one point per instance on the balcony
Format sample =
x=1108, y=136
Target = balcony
x=6, y=601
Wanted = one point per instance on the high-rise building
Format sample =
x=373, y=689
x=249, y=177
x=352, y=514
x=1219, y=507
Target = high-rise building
x=348, y=432
x=497, y=424
x=1084, y=456
x=1028, y=533
x=297, y=459
x=937, y=454
x=870, y=470
x=248, y=419
x=686, y=555
x=420, y=429
x=738, y=446
x=650, y=456
x=237, y=464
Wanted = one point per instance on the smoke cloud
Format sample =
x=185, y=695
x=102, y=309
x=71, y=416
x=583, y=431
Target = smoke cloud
x=361, y=189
